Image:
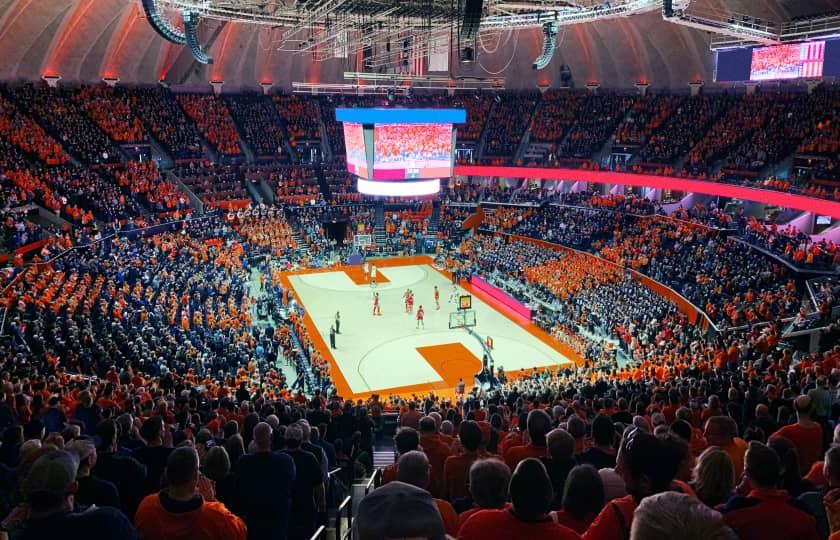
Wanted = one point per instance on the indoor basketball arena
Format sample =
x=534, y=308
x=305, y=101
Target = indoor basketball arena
x=439, y=269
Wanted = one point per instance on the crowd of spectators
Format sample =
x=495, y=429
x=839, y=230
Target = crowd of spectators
x=148, y=184
x=556, y=115
x=111, y=110
x=477, y=107
x=291, y=184
x=212, y=118
x=213, y=183
x=594, y=125
x=18, y=231
x=340, y=183
x=20, y=130
x=300, y=116
x=684, y=129
x=646, y=116
x=259, y=124
x=738, y=119
x=502, y=134
x=166, y=122
x=795, y=246
x=56, y=108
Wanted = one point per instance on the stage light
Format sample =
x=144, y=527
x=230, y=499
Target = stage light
x=161, y=25
x=549, y=41
x=191, y=31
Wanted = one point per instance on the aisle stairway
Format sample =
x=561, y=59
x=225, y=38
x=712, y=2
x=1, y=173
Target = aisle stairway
x=322, y=182
x=379, y=225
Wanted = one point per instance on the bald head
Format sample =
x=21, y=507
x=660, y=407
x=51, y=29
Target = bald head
x=804, y=407
x=262, y=437
x=413, y=468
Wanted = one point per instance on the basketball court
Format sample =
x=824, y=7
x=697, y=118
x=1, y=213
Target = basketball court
x=388, y=354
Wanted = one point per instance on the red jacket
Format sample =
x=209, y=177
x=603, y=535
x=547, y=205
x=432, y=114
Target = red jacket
x=769, y=515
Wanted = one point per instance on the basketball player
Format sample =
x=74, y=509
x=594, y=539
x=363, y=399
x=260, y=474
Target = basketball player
x=420, y=314
x=453, y=296
x=376, y=310
x=437, y=298
x=405, y=299
x=410, y=301
x=366, y=270
x=373, y=272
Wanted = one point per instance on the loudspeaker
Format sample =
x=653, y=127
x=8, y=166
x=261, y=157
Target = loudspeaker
x=471, y=18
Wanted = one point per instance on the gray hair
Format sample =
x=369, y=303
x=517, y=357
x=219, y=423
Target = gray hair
x=675, y=515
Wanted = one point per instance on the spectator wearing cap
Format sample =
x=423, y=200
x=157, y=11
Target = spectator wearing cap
x=806, y=434
x=539, y=424
x=648, y=466
x=676, y=515
x=766, y=513
x=489, y=480
x=406, y=440
x=583, y=499
x=49, y=491
x=456, y=469
x=415, y=469
x=398, y=510
x=602, y=454
x=436, y=450
x=178, y=512
x=92, y=490
x=307, y=489
x=561, y=448
x=125, y=472
x=528, y=517
x=264, y=489
x=54, y=418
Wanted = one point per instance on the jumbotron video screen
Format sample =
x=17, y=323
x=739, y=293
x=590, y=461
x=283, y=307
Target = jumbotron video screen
x=405, y=151
x=400, y=152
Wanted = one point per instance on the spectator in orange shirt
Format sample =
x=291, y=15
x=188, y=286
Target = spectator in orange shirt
x=177, y=512
x=766, y=513
x=648, y=465
x=528, y=518
x=456, y=469
x=415, y=469
x=806, y=435
x=406, y=440
x=489, y=479
x=539, y=424
x=436, y=450
x=722, y=431
x=583, y=499
x=411, y=417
